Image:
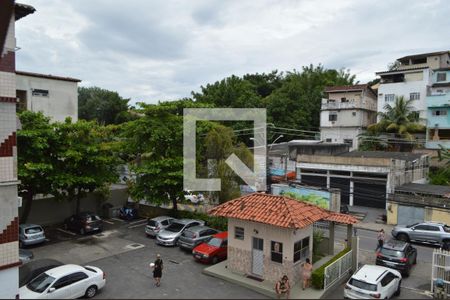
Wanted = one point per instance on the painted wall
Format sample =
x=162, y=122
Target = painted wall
x=62, y=100
x=313, y=196
x=339, y=134
x=347, y=117
x=240, y=251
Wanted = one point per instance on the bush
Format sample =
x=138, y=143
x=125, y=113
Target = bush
x=218, y=223
x=317, y=276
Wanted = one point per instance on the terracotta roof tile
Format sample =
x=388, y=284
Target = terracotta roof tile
x=278, y=211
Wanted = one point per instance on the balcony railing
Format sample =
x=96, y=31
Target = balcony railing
x=348, y=105
x=438, y=100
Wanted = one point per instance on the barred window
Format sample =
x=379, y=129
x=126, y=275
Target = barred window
x=276, y=250
x=239, y=233
x=301, y=249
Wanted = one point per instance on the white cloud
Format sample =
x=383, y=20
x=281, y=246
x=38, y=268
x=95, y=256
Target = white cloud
x=162, y=50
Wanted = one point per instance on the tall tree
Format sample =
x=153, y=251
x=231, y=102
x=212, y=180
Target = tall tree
x=86, y=161
x=36, y=147
x=107, y=107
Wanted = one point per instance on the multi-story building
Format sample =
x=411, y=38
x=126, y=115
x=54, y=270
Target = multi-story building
x=410, y=77
x=438, y=113
x=9, y=221
x=55, y=96
x=346, y=112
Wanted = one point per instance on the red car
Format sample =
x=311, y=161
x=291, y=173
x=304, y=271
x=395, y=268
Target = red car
x=214, y=250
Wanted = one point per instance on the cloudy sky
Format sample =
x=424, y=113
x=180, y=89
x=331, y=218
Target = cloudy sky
x=163, y=50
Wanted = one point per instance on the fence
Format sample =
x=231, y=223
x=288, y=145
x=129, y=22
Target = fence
x=440, y=269
x=338, y=269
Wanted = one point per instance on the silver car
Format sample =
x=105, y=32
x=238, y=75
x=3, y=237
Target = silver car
x=427, y=232
x=31, y=234
x=25, y=255
x=155, y=225
x=194, y=236
x=170, y=235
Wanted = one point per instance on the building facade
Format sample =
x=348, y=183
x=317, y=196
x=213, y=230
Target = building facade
x=56, y=97
x=9, y=201
x=438, y=113
x=411, y=78
x=346, y=112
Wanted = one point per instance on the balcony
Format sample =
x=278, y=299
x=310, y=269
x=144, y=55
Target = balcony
x=347, y=105
x=438, y=100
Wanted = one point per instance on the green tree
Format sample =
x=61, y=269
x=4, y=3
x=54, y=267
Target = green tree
x=36, y=146
x=86, y=161
x=107, y=107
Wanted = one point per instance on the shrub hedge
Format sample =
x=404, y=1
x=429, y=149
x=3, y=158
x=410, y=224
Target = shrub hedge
x=218, y=223
x=318, y=275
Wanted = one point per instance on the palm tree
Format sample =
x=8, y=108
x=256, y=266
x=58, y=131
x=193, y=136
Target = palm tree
x=399, y=119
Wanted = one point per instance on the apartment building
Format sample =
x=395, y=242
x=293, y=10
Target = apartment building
x=438, y=112
x=10, y=12
x=346, y=112
x=411, y=77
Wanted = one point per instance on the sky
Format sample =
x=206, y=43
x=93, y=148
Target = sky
x=162, y=50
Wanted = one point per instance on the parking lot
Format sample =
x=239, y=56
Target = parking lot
x=123, y=252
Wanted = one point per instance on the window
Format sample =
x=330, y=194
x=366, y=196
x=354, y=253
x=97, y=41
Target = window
x=433, y=228
x=343, y=99
x=328, y=140
x=39, y=92
x=354, y=113
x=439, y=113
x=441, y=77
x=301, y=249
x=165, y=222
x=421, y=227
x=239, y=233
x=348, y=142
x=276, y=251
x=387, y=279
x=363, y=285
x=332, y=116
x=224, y=243
x=389, y=97
x=414, y=96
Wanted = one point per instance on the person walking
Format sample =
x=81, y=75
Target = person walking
x=380, y=238
x=283, y=287
x=157, y=270
x=306, y=273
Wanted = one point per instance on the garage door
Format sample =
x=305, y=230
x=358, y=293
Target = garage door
x=369, y=194
x=407, y=215
x=344, y=185
x=317, y=181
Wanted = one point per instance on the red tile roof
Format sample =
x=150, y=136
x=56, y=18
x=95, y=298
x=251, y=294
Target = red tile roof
x=278, y=211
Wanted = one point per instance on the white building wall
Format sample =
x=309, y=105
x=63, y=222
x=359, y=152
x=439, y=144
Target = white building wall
x=404, y=89
x=62, y=100
x=9, y=290
x=339, y=134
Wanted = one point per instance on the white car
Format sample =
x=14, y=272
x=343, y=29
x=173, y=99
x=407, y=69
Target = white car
x=65, y=282
x=373, y=282
x=188, y=195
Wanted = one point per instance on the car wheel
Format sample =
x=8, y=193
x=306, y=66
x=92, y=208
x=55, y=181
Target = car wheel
x=82, y=232
x=403, y=237
x=406, y=272
x=91, y=291
x=215, y=260
x=397, y=292
x=446, y=245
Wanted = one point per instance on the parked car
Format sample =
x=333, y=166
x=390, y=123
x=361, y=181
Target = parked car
x=397, y=255
x=25, y=255
x=31, y=234
x=195, y=199
x=84, y=222
x=214, y=250
x=155, y=225
x=194, y=236
x=373, y=282
x=65, y=282
x=170, y=235
x=34, y=268
x=128, y=212
x=427, y=232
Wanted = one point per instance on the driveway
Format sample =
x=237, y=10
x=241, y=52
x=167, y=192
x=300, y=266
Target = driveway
x=123, y=252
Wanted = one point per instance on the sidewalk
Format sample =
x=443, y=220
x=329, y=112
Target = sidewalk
x=372, y=219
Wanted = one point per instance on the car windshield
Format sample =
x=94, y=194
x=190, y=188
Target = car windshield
x=152, y=223
x=92, y=218
x=391, y=252
x=363, y=285
x=32, y=230
x=215, y=242
x=175, y=227
x=40, y=283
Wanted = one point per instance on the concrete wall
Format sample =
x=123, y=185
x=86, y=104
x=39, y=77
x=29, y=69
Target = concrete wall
x=348, y=117
x=49, y=211
x=339, y=134
x=62, y=100
x=433, y=214
x=240, y=251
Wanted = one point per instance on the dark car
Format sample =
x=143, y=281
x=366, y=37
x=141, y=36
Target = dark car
x=31, y=270
x=84, y=222
x=397, y=255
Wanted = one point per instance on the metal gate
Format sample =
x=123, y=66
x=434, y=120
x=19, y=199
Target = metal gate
x=258, y=256
x=440, y=268
x=407, y=215
x=337, y=270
